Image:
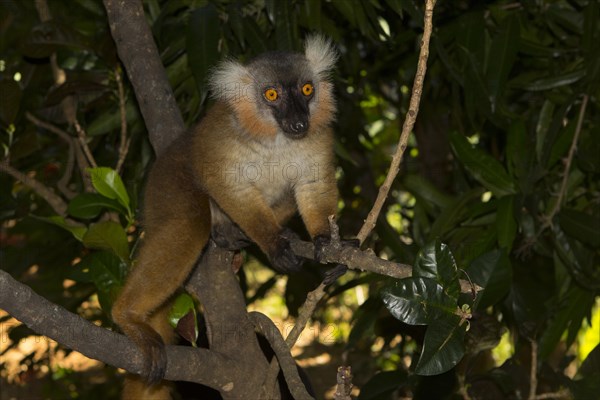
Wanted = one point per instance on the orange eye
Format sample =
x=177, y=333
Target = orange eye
x=307, y=89
x=271, y=94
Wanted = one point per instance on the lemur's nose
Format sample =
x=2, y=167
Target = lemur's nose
x=298, y=126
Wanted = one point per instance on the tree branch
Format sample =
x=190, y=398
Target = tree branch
x=565, y=179
x=55, y=201
x=365, y=260
x=266, y=327
x=48, y=319
x=139, y=54
x=124, y=141
x=344, y=384
x=230, y=331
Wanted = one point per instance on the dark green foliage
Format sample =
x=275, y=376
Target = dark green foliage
x=483, y=173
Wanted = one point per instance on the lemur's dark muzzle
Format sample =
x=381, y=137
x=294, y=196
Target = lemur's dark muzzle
x=298, y=126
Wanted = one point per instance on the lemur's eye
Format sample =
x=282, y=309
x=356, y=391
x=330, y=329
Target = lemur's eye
x=271, y=94
x=307, y=89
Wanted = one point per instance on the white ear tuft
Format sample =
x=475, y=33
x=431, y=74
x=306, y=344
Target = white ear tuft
x=321, y=54
x=229, y=80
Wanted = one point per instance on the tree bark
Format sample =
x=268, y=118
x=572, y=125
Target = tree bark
x=70, y=330
x=138, y=52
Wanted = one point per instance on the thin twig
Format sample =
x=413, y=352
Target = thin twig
x=344, y=384
x=533, y=370
x=82, y=162
x=68, y=104
x=561, y=394
x=563, y=186
x=63, y=182
x=462, y=387
x=68, y=173
x=124, y=142
x=83, y=142
x=547, y=220
x=50, y=127
x=407, y=127
x=55, y=201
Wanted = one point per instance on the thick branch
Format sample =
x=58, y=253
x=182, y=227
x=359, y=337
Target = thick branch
x=140, y=57
x=230, y=331
x=48, y=319
x=267, y=328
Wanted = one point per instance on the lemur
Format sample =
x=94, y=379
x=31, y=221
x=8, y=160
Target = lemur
x=263, y=151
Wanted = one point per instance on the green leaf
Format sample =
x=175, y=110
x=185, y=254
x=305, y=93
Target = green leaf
x=477, y=98
x=591, y=364
x=486, y=169
x=533, y=47
x=383, y=384
x=255, y=36
x=422, y=188
x=541, y=129
x=469, y=34
x=518, y=150
x=502, y=56
x=202, y=43
x=47, y=36
x=443, y=346
x=554, y=82
x=179, y=317
x=110, y=120
x=77, y=231
x=286, y=29
x=456, y=212
x=591, y=37
x=346, y=8
x=418, y=301
x=580, y=225
x=363, y=320
x=110, y=236
x=435, y=261
x=84, y=86
x=10, y=100
x=108, y=183
x=236, y=23
x=591, y=33
x=506, y=225
x=493, y=272
x=107, y=272
x=396, y=6
x=588, y=150
x=571, y=311
x=90, y=205
x=181, y=306
x=562, y=144
x=579, y=260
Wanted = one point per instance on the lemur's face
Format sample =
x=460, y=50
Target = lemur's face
x=281, y=92
x=284, y=87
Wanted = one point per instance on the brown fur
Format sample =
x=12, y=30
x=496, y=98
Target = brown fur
x=239, y=159
x=251, y=121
